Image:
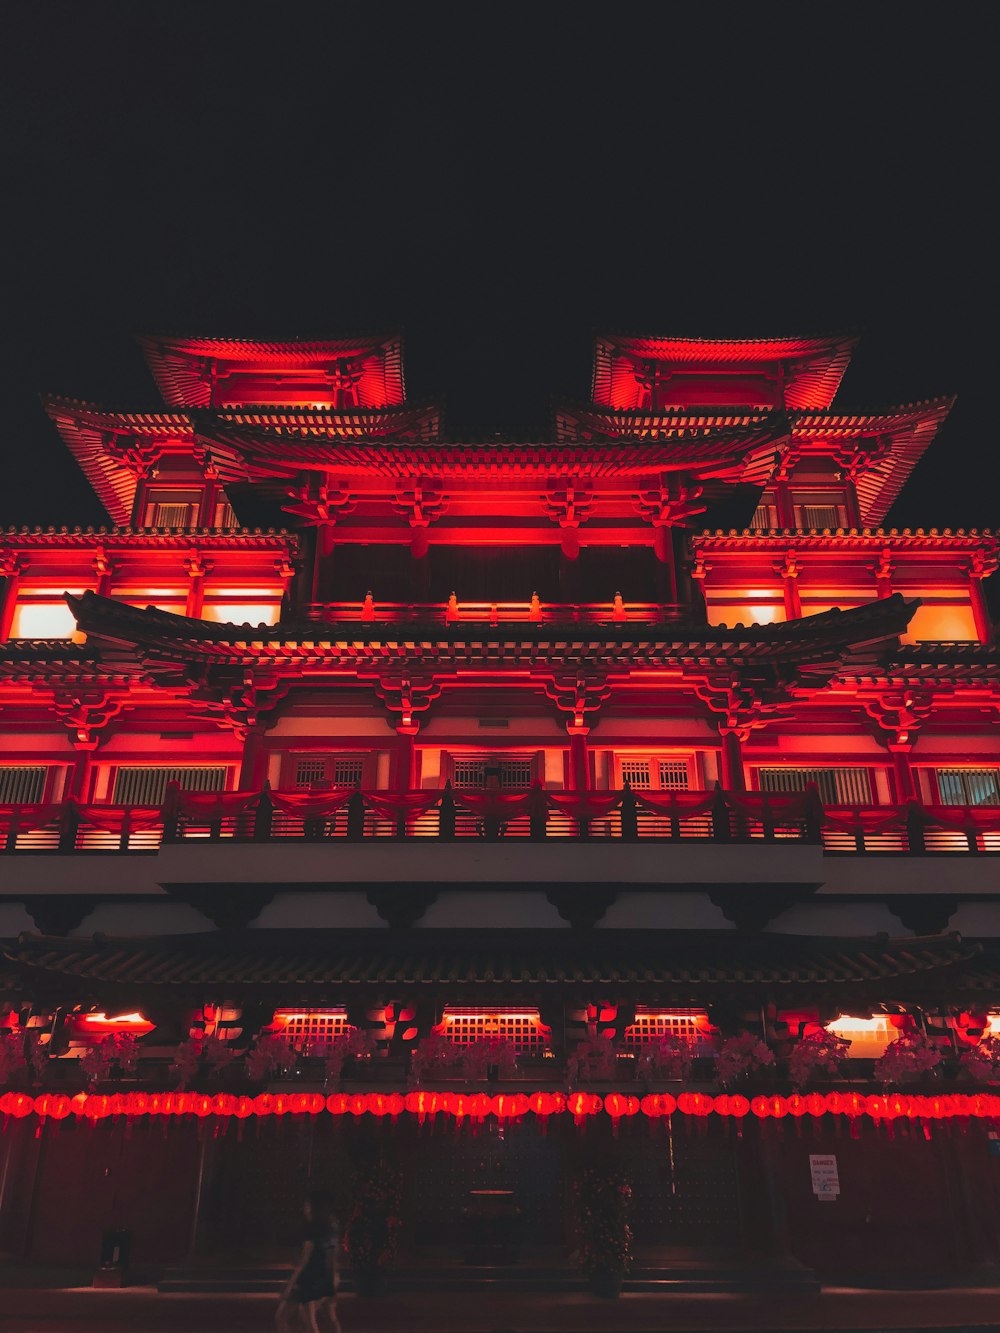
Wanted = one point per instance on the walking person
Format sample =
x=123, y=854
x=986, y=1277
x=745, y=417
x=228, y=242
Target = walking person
x=312, y=1287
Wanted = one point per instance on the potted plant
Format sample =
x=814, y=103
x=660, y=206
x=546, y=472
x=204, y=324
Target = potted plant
x=981, y=1063
x=371, y=1237
x=434, y=1056
x=270, y=1056
x=354, y=1044
x=820, y=1055
x=603, y=1198
x=666, y=1060
x=489, y=1059
x=594, y=1060
x=741, y=1057
x=210, y=1054
x=907, y=1059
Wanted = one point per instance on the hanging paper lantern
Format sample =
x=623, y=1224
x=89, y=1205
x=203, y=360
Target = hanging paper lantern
x=224, y=1104
x=376, y=1104
x=877, y=1108
x=17, y=1104
x=263, y=1104
x=336, y=1103
x=760, y=1107
x=796, y=1104
x=542, y=1104
x=816, y=1104
x=480, y=1105
x=244, y=1107
x=834, y=1103
x=739, y=1105
x=853, y=1103
x=507, y=1107
x=395, y=1104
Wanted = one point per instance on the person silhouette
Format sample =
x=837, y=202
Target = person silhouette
x=312, y=1286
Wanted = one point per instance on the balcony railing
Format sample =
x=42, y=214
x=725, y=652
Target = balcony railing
x=448, y=815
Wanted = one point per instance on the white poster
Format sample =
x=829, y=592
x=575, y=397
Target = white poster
x=825, y=1176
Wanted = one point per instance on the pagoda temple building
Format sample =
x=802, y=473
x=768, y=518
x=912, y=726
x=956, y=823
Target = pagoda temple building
x=490, y=812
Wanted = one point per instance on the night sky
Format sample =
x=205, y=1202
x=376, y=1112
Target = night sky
x=496, y=181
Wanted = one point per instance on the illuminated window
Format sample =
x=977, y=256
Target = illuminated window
x=765, y=516
x=22, y=785
x=512, y=773
x=942, y=622
x=522, y=1027
x=652, y=774
x=310, y=1030
x=690, y=1026
x=172, y=508
x=837, y=786
x=746, y=613
x=242, y=613
x=145, y=785
x=869, y=1037
x=43, y=619
x=224, y=515
x=819, y=509
x=968, y=786
x=324, y=770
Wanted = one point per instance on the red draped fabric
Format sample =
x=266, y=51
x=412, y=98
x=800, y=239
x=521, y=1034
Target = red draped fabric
x=782, y=805
x=216, y=804
x=503, y=804
x=397, y=805
x=28, y=817
x=858, y=819
x=685, y=805
x=585, y=804
x=966, y=818
x=112, y=818
x=310, y=805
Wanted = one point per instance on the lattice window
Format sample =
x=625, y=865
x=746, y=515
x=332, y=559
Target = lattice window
x=968, y=786
x=644, y=774
x=310, y=1030
x=821, y=516
x=522, y=1027
x=22, y=785
x=673, y=775
x=329, y=771
x=148, y=786
x=837, y=786
x=513, y=773
x=765, y=516
x=173, y=514
x=689, y=1026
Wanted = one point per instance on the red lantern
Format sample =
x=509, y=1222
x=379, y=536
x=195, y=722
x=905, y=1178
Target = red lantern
x=395, y=1104
x=739, y=1105
x=336, y=1103
x=652, y=1106
x=853, y=1103
x=202, y=1106
x=507, y=1107
x=779, y=1107
x=816, y=1104
x=357, y=1103
x=480, y=1105
x=834, y=1103
x=897, y=1104
x=877, y=1107
x=244, y=1107
x=761, y=1107
x=376, y=1103
x=542, y=1104
x=223, y=1104
x=137, y=1103
x=615, y=1105
x=263, y=1104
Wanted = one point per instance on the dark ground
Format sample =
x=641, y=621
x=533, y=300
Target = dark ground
x=82, y=1310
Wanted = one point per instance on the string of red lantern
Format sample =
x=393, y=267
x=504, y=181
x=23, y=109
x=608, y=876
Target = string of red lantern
x=476, y=1106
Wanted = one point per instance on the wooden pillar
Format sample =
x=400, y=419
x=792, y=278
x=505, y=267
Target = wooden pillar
x=786, y=510
x=731, y=763
x=253, y=762
x=579, y=757
x=197, y=568
x=980, y=611
x=12, y=567
x=789, y=570
x=905, y=787
x=104, y=569
x=404, y=777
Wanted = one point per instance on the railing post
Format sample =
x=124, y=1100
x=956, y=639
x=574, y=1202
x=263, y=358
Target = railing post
x=630, y=814
x=446, y=814
x=170, y=812
x=814, y=814
x=263, y=816
x=14, y=828
x=126, y=832
x=69, y=827
x=722, y=830
x=539, y=817
x=766, y=818
x=915, y=829
x=356, y=817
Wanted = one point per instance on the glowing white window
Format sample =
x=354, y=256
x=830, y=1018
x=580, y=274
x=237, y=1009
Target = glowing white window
x=688, y=1026
x=310, y=1030
x=869, y=1037
x=522, y=1027
x=43, y=620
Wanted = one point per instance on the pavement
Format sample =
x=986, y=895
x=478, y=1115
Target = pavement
x=835, y=1310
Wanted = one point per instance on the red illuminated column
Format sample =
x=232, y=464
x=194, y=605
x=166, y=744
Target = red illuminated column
x=254, y=761
x=579, y=757
x=733, y=777
x=905, y=787
x=12, y=566
x=789, y=569
x=883, y=575
x=405, y=775
x=980, y=567
x=197, y=568
x=104, y=569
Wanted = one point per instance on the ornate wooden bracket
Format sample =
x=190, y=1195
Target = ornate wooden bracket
x=855, y=458
x=405, y=695
x=86, y=715
x=196, y=566
x=242, y=708
x=579, y=696
x=755, y=906
x=139, y=458
x=319, y=503
x=12, y=563
x=790, y=567
x=738, y=704
x=569, y=506
x=582, y=905
x=899, y=714
x=667, y=504
x=420, y=505
x=401, y=906
x=923, y=913
x=227, y=906
x=982, y=564
x=59, y=913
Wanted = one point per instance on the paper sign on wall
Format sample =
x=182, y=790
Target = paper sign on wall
x=825, y=1176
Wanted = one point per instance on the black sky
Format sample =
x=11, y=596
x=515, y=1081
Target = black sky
x=497, y=181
